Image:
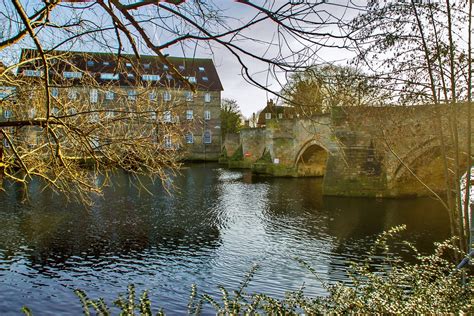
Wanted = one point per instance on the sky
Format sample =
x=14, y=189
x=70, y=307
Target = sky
x=263, y=39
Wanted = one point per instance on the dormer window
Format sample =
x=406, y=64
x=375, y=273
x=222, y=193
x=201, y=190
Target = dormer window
x=109, y=76
x=146, y=66
x=128, y=64
x=32, y=73
x=72, y=75
x=201, y=69
x=181, y=67
x=150, y=77
x=106, y=63
x=90, y=63
x=165, y=67
x=205, y=79
x=130, y=76
x=192, y=79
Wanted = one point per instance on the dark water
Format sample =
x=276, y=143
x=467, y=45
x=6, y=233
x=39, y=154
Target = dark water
x=211, y=233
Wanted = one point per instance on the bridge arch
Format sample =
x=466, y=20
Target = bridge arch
x=426, y=163
x=311, y=159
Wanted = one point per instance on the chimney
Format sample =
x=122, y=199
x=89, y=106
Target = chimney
x=270, y=103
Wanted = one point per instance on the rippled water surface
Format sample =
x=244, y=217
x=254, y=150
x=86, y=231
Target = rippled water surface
x=210, y=232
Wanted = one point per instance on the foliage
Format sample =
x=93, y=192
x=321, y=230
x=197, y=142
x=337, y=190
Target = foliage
x=382, y=284
x=230, y=117
x=319, y=88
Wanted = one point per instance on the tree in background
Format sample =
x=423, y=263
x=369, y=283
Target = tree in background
x=231, y=121
x=318, y=88
x=421, y=54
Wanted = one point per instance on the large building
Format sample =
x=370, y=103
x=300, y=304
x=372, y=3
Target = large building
x=112, y=83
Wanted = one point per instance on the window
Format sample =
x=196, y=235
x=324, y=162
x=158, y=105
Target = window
x=109, y=76
x=90, y=63
x=94, y=142
x=146, y=66
x=280, y=115
x=207, y=138
x=207, y=115
x=31, y=113
x=152, y=96
x=72, y=94
x=128, y=64
x=207, y=97
x=72, y=74
x=6, y=144
x=205, y=79
x=150, y=77
x=167, y=116
x=132, y=95
x=54, y=92
x=55, y=111
x=7, y=114
x=189, y=114
x=189, y=138
x=201, y=69
x=106, y=63
x=188, y=95
x=109, y=95
x=130, y=76
x=165, y=67
x=32, y=73
x=192, y=79
x=109, y=114
x=6, y=92
x=169, y=77
x=153, y=115
x=268, y=116
x=94, y=118
x=167, y=141
x=181, y=67
x=94, y=95
x=72, y=111
x=167, y=96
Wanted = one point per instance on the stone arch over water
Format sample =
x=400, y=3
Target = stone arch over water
x=311, y=160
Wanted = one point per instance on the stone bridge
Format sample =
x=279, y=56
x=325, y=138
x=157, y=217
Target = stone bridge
x=370, y=151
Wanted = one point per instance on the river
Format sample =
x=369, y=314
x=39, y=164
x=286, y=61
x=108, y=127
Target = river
x=210, y=231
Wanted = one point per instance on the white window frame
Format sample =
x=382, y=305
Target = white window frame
x=166, y=96
x=205, y=78
x=72, y=94
x=280, y=115
x=188, y=95
x=72, y=74
x=189, y=114
x=94, y=95
x=31, y=113
x=207, y=97
x=32, y=73
x=132, y=95
x=268, y=116
x=192, y=79
x=153, y=115
x=109, y=95
x=167, y=117
x=128, y=64
x=201, y=69
x=7, y=113
x=150, y=77
x=168, y=141
x=207, y=137
x=55, y=92
x=109, y=76
x=189, y=138
x=207, y=115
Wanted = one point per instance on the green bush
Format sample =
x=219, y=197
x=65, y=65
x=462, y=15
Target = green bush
x=431, y=285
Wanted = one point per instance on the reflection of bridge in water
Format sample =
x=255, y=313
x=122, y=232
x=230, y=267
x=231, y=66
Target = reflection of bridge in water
x=376, y=151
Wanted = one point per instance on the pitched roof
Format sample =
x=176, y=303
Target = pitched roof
x=130, y=69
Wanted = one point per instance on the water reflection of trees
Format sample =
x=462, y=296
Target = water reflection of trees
x=126, y=223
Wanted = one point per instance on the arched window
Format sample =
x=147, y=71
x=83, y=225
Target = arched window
x=207, y=137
